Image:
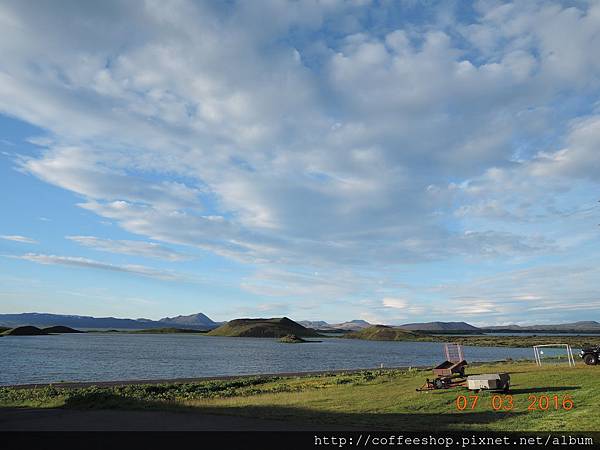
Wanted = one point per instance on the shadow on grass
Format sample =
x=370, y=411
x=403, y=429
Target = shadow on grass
x=511, y=372
x=542, y=389
x=298, y=416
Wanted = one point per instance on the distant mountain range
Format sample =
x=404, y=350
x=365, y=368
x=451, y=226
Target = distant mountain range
x=200, y=321
x=439, y=326
x=352, y=325
x=195, y=321
x=588, y=325
x=357, y=325
x=453, y=327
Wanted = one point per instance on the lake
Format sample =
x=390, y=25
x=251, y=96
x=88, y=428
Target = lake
x=115, y=357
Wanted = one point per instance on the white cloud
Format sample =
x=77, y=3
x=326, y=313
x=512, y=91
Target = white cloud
x=544, y=293
x=128, y=247
x=397, y=303
x=579, y=159
x=76, y=261
x=312, y=140
x=83, y=172
x=17, y=238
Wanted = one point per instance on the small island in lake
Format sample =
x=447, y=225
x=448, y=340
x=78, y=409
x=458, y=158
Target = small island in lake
x=292, y=339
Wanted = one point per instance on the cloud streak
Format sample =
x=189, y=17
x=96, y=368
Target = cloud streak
x=128, y=247
x=17, y=238
x=76, y=261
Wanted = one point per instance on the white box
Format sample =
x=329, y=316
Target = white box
x=491, y=381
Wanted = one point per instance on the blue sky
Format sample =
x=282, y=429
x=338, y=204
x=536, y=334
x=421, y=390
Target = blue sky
x=391, y=161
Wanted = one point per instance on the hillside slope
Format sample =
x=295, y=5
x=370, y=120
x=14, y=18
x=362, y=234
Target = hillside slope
x=384, y=333
x=268, y=328
x=439, y=326
x=59, y=329
x=352, y=325
x=25, y=331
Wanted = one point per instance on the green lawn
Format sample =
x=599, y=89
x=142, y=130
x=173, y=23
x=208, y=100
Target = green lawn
x=371, y=399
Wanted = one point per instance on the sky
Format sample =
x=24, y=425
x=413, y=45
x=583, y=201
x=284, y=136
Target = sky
x=392, y=161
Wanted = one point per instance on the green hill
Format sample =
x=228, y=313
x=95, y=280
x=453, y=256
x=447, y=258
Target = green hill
x=384, y=333
x=25, y=331
x=267, y=328
x=168, y=330
x=59, y=329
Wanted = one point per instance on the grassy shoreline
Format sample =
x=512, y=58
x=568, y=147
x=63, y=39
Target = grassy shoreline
x=384, y=399
x=514, y=341
x=385, y=333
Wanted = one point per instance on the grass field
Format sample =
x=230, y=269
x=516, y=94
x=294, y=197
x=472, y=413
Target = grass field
x=371, y=399
x=517, y=341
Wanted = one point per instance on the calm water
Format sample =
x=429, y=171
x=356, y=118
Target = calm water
x=106, y=357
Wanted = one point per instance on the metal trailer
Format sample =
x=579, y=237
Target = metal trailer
x=442, y=383
x=449, y=368
x=450, y=373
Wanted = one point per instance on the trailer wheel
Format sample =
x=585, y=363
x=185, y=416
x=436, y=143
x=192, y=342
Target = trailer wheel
x=438, y=383
x=590, y=359
x=507, y=387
